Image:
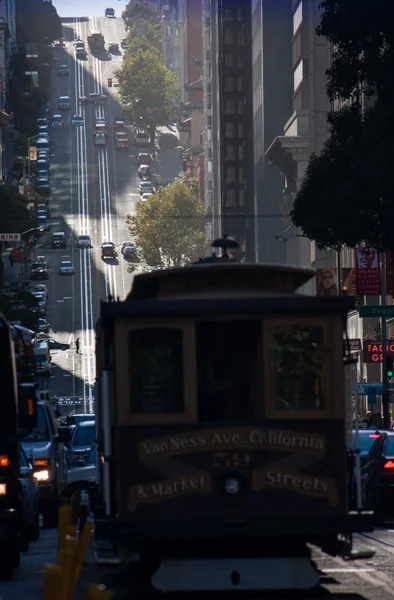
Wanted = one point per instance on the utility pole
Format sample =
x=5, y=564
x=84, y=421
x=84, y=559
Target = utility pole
x=385, y=374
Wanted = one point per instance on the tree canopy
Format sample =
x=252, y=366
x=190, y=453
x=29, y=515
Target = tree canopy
x=139, y=9
x=169, y=226
x=347, y=195
x=146, y=33
x=15, y=217
x=147, y=88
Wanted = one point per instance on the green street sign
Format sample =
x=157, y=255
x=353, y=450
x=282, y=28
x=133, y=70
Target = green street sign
x=377, y=312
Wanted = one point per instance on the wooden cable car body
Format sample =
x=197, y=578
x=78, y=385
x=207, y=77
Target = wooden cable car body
x=223, y=424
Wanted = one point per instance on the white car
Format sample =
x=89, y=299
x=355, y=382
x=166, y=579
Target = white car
x=146, y=187
x=100, y=139
x=77, y=120
x=84, y=241
x=66, y=268
x=93, y=97
x=146, y=195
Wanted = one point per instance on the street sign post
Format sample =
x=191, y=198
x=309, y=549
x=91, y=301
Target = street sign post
x=366, y=389
x=376, y=312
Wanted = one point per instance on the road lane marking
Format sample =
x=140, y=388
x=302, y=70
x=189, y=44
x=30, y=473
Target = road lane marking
x=67, y=297
x=59, y=300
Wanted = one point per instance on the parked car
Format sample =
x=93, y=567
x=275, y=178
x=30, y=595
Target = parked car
x=81, y=443
x=45, y=448
x=144, y=159
x=145, y=187
x=42, y=325
x=145, y=196
x=124, y=244
x=124, y=43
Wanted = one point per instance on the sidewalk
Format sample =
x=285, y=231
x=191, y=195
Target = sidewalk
x=12, y=275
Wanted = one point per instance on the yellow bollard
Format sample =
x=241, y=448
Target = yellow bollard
x=53, y=581
x=75, y=507
x=64, y=522
x=83, y=546
x=69, y=558
x=97, y=592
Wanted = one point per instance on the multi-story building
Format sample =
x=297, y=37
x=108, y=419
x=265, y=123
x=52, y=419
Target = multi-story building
x=192, y=126
x=305, y=132
x=272, y=93
x=228, y=103
x=172, y=39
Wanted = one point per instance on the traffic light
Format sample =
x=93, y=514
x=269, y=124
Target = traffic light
x=389, y=367
x=109, y=82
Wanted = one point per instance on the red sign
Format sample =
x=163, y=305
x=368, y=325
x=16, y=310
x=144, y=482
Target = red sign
x=373, y=351
x=189, y=168
x=368, y=272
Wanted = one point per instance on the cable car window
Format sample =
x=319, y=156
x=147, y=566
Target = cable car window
x=228, y=368
x=296, y=360
x=156, y=371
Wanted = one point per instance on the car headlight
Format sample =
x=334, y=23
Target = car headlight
x=42, y=475
x=3, y=489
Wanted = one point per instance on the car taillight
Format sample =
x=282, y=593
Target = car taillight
x=389, y=464
x=374, y=435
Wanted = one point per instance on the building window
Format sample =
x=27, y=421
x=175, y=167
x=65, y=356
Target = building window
x=298, y=74
x=241, y=175
x=241, y=152
x=229, y=36
x=241, y=198
x=230, y=107
x=201, y=140
x=210, y=185
x=230, y=152
x=228, y=14
x=240, y=107
x=209, y=121
x=229, y=130
x=297, y=18
x=231, y=198
x=230, y=175
x=229, y=85
x=239, y=62
x=207, y=55
x=240, y=38
x=240, y=86
x=241, y=130
x=208, y=89
x=229, y=60
x=240, y=14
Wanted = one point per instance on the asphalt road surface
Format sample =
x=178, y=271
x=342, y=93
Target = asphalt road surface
x=94, y=188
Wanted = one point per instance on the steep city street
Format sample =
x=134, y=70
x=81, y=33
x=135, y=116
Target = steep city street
x=93, y=190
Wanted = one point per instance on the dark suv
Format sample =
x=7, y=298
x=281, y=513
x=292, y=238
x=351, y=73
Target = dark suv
x=39, y=270
x=59, y=240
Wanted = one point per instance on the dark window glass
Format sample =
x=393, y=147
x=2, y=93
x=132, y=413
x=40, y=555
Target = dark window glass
x=229, y=370
x=366, y=441
x=156, y=371
x=84, y=436
x=388, y=447
x=41, y=432
x=296, y=363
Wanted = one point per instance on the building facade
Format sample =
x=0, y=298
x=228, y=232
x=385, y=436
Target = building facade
x=172, y=39
x=229, y=85
x=272, y=107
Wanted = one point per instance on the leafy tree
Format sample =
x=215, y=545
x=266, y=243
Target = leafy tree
x=147, y=31
x=191, y=182
x=147, y=88
x=347, y=195
x=15, y=217
x=169, y=226
x=40, y=22
x=139, y=9
x=141, y=42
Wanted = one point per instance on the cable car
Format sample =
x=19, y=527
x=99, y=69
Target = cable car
x=223, y=423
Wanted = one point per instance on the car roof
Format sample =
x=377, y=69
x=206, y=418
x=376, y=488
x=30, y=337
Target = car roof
x=65, y=261
x=87, y=423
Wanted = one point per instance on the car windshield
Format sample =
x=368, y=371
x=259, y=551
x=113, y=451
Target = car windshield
x=41, y=432
x=84, y=238
x=66, y=263
x=84, y=436
x=366, y=441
